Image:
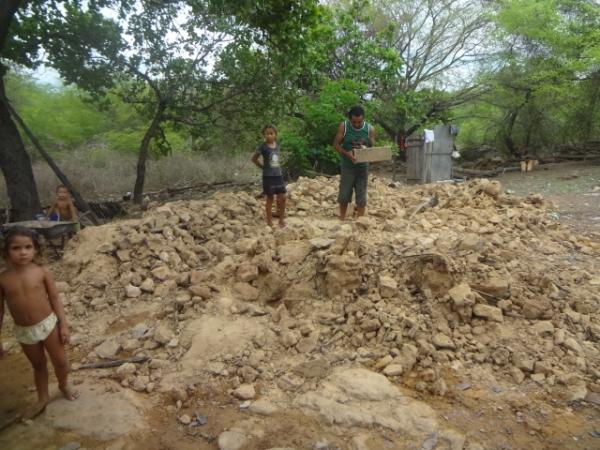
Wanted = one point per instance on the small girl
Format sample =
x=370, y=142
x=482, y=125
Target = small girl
x=39, y=317
x=273, y=183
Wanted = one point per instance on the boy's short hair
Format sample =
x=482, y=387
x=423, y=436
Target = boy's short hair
x=62, y=186
x=269, y=126
x=356, y=111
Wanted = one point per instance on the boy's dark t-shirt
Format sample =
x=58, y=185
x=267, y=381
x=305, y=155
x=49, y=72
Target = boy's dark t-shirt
x=271, y=160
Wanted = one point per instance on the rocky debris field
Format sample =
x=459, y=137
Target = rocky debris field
x=340, y=320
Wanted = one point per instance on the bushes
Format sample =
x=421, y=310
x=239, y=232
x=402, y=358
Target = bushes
x=307, y=138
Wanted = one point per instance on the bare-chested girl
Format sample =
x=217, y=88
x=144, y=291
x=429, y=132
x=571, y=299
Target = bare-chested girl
x=40, y=323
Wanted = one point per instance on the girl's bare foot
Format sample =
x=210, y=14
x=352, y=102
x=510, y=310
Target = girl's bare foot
x=68, y=393
x=282, y=224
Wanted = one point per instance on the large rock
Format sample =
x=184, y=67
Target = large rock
x=342, y=274
x=356, y=397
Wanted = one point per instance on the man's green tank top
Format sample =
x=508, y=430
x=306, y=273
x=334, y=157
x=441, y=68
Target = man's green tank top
x=354, y=138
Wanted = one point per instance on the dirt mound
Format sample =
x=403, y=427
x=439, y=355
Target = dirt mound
x=474, y=279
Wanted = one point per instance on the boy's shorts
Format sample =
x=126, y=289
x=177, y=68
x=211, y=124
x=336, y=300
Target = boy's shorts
x=273, y=185
x=354, y=178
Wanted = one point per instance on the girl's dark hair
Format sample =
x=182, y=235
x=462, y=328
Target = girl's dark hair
x=271, y=126
x=13, y=232
x=356, y=111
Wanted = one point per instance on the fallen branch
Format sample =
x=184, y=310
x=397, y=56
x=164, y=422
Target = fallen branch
x=114, y=363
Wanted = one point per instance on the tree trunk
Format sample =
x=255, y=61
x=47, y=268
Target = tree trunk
x=508, y=139
x=16, y=164
x=138, y=190
x=80, y=203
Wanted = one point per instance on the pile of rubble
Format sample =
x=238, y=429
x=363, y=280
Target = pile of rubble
x=435, y=277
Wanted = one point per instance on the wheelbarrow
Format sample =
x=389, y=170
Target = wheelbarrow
x=49, y=229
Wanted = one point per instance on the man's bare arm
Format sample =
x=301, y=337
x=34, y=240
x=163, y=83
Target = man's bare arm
x=337, y=143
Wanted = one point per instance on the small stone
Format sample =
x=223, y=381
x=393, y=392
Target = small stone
x=488, y=312
x=132, y=291
x=538, y=377
x=245, y=392
x=139, y=383
x=108, y=349
x=147, y=285
x=576, y=392
x=232, y=440
x=290, y=382
x=383, y=362
x=289, y=338
x=441, y=341
x=125, y=370
x=162, y=334
x=517, y=374
x=439, y=387
x=263, y=407
x=523, y=362
x=543, y=328
x=393, y=370
x=184, y=419
x=247, y=272
x=321, y=243
x=544, y=367
x=461, y=294
x=387, y=286
x=572, y=344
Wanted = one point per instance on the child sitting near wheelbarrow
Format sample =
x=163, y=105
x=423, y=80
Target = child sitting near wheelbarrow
x=63, y=207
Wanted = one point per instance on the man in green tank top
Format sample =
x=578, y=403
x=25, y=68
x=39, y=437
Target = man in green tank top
x=353, y=133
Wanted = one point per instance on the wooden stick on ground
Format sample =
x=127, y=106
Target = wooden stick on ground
x=114, y=363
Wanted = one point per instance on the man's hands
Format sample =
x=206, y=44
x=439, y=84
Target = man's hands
x=351, y=156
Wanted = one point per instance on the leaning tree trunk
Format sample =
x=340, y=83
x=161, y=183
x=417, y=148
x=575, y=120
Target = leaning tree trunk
x=138, y=190
x=16, y=164
x=80, y=202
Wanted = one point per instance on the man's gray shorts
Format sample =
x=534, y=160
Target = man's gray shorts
x=354, y=178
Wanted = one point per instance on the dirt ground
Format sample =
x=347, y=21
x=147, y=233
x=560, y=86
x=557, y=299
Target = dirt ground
x=485, y=409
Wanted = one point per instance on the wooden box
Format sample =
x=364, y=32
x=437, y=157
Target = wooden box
x=372, y=154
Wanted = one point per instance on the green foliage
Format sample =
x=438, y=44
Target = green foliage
x=308, y=138
x=76, y=39
x=60, y=117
